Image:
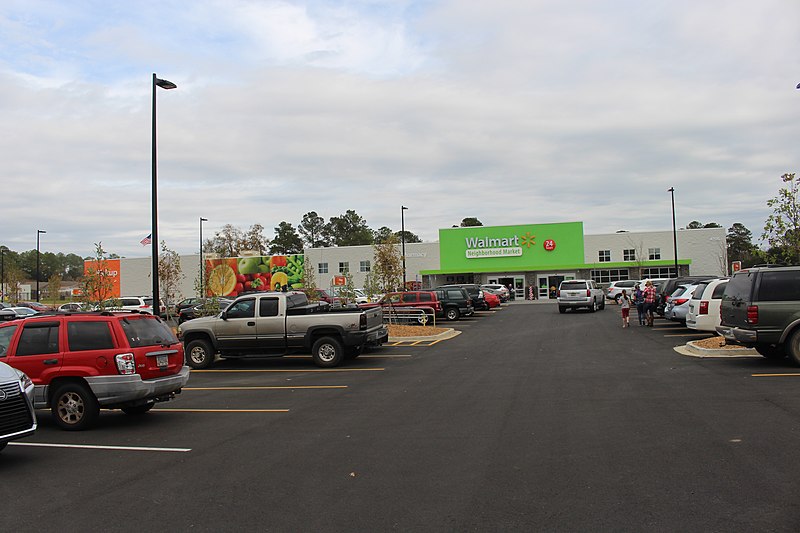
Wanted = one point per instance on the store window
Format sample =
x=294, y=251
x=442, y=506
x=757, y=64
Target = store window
x=629, y=255
x=654, y=254
x=658, y=272
x=604, y=256
x=344, y=267
x=610, y=274
x=364, y=266
x=322, y=268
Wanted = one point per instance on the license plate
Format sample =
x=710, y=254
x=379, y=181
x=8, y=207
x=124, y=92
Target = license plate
x=162, y=360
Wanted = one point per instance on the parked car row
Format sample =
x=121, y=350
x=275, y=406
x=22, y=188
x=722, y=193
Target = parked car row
x=450, y=302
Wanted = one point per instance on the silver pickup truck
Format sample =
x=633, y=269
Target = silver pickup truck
x=273, y=324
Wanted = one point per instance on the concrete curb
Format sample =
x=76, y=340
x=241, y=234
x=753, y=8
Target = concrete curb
x=692, y=350
x=449, y=334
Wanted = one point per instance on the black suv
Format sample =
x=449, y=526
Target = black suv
x=475, y=292
x=455, y=301
x=761, y=309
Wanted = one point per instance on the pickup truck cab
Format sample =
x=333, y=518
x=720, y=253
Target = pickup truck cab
x=273, y=324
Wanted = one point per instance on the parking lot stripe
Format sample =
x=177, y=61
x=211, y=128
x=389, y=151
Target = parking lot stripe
x=97, y=447
x=775, y=375
x=690, y=335
x=220, y=410
x=317, y=370
x=387, y=356
x=273, y=387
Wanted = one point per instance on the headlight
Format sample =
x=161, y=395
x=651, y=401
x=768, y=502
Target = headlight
x=25, y=382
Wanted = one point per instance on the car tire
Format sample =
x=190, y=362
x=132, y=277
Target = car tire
x=138, y=409
x=792, y=347
x=452, y=313
x=593, y=307
x=199, y=354
x=603, y=304
x=74, y=406
x=327, y=352
x=771, y=351
x=616, y=298
x=562, y=309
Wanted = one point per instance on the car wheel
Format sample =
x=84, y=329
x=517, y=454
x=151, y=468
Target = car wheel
x=603, y=304
x=771, y=351
x=562, y=309
x=616, y=298
x=423, y=319
x=138, y=409
x=452, y=313
x=593, y=307
x=199, y=354
x=74, y=407
x=327, y=352
x=793, y=347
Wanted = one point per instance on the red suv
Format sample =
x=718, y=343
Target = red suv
x=80, y=362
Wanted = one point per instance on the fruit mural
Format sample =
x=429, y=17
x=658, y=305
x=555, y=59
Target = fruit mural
x=231, y=276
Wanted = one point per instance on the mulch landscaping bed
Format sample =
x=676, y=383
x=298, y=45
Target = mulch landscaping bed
x=396, y=330
x=715, y=343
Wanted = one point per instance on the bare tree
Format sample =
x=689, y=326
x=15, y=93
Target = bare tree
x=98, y=281
x=388, y=267
x=170, y=276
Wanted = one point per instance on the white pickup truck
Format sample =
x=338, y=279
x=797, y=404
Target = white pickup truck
x=273, y=324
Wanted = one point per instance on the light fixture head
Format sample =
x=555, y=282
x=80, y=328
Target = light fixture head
x=165, y=84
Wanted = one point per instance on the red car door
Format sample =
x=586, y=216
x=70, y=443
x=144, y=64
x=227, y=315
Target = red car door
x=37, y=349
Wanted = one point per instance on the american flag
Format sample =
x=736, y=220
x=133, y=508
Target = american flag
x=147, y=240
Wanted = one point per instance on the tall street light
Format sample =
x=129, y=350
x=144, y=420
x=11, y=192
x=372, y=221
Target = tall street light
x=674, y=231
x=164, y=84
x=202, y=270
x=38, y=232
x=403, y=240
x=2, y=274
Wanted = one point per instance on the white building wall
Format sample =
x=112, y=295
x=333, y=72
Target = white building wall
x=419, y=256
x=135, y=277
x=705, y=247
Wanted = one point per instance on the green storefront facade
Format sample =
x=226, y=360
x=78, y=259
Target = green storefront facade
x=530, y=257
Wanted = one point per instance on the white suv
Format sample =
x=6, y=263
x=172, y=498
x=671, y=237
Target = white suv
x=143, y=304
x=703, y=314
x=614, y=290
x=577, y=293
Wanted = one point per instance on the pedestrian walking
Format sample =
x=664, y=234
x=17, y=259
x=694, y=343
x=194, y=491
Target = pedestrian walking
x=638, y=301
x=625, y=306
x=649, y=302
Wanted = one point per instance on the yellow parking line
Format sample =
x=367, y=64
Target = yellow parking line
x=274, y=387
x=690, y=335
x=289, y=370
x=775, y=375
x=223, y=410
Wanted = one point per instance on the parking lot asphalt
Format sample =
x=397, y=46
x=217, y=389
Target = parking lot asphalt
x=528, y=420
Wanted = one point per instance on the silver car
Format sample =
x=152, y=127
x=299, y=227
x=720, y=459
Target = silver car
x=576, y=293
x=678, y=303
x=17, y=417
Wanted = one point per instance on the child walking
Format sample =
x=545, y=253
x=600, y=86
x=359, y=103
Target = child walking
x=625, y=305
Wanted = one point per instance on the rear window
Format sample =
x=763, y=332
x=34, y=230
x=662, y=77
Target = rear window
x=780, y=286
x=719, y=290
x=147, y=332
x=739, y=287
x=5, y=338
x=701, y=288
x=296, y=300
x=573, y=285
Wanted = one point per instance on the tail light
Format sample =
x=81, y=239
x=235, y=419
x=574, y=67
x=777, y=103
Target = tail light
x=752, y=314
x=558, y=293
x=362, y=321
x=681, y=301
x=588, y=292
x=703, y=308
x=126, y=364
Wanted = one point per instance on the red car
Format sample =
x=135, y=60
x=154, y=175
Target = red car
x=36, y=306
x=492, y=300
x=81, y=362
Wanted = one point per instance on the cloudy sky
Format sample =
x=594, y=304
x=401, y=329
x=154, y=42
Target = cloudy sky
x=506, y=110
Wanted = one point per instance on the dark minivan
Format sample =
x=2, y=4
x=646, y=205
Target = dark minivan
x=475, y=292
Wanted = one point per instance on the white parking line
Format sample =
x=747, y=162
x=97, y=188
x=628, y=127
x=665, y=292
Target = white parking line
x=97, y=447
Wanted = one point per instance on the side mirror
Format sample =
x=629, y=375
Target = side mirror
x=224, y=315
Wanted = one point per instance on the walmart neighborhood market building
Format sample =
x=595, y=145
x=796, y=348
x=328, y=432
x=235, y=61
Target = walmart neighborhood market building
x=530, y=257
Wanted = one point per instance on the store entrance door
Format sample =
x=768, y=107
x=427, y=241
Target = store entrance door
x=548, y=284
x=516, y=284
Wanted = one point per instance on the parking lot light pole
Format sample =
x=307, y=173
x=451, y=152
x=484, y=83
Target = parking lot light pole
x=202, y=270
x=674, y=231
x=164, y=84
x=2, y=274
x=38, y=232
x=403, y=240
